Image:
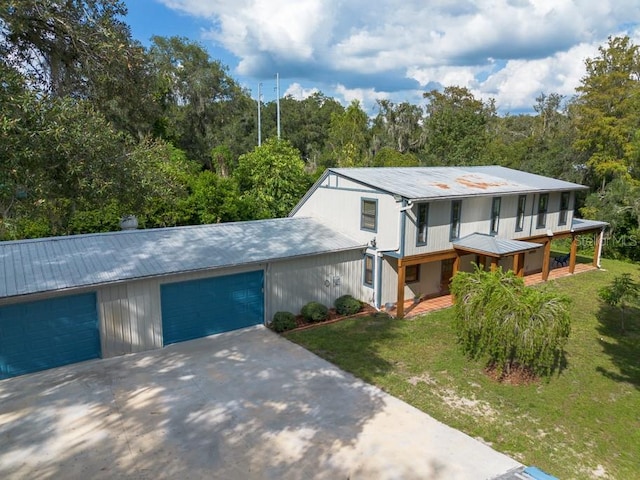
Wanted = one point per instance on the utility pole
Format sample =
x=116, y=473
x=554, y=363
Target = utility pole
x=278, y=102
x=259, y=126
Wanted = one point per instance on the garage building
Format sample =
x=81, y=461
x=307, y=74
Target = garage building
x=74, y=298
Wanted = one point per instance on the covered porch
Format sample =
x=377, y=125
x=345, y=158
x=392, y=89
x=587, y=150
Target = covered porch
x=412, y=309
x=490, y=251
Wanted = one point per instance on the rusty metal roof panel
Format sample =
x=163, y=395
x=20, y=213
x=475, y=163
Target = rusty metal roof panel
x=60, y=263
x=422, y=183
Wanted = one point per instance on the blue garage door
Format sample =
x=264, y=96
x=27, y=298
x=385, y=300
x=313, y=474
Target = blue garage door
x=48, y=333
x=198, y=308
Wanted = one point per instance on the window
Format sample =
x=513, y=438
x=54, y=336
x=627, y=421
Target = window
x=368, y=270
x=423, y=221
x=495, y=215
x=522, y=203
x=543, y=205
x=564, y=207
x=412, y=274
x=456, y=206
x=369, y=215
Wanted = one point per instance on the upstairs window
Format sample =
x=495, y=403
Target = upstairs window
x=522, y=203
x=564, y=208
x=543, y=206
x=369, y=215
x=456, y=207
x=495, y=215
x=423, y=222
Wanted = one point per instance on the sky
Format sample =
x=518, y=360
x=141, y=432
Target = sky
x=508, y=50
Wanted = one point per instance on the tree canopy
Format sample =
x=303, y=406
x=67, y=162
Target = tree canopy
x=95, y=126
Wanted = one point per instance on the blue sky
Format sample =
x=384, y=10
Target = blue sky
x=509, y=50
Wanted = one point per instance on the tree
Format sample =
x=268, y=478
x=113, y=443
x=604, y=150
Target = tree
x=497, y=317
x=348, y=142
x=606, y=112
x=457, y=127
x=399, y=126
x=199, y=100
x=622, y=291
x=83, y=49
x=272, y=178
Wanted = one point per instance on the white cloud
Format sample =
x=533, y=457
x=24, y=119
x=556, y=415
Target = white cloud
x=297, y=91
x=368, y=47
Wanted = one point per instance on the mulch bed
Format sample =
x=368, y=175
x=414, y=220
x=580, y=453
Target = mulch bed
x=334, y=317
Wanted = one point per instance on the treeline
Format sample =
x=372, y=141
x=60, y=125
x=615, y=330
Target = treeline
x=95, y=126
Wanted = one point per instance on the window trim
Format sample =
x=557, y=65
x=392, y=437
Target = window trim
x=367, y=257
x=454, y=229
x=413, y=278
x=541, y=222
x=364, y=200
x=563, y=214
x=419, y=223
x=521, y=213
x=494, y=226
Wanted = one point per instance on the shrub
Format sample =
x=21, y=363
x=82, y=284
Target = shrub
x=498, y=317
x=347, y=305
x=314, y=312
x=283, y=321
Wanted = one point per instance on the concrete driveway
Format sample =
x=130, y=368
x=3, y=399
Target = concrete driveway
x=241, y=405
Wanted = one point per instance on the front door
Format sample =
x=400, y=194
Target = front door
x=446, y=272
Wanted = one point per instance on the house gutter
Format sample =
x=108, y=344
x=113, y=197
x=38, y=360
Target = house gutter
x=402, y=222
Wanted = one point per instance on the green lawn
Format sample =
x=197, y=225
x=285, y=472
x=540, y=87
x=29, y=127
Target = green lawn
x=582, y=423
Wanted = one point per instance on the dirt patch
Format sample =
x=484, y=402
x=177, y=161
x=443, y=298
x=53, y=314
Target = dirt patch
x=515, y=376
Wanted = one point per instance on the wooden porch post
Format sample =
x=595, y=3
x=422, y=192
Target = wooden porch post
x=573, y=253
x=401, y=278
x=494, y=263
x=518, y=264
x=456, y=265
x=598, y=248
x=546, y=260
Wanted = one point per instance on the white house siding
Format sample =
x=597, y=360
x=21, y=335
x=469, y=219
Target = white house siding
x=429, y=283
x=337, y=203
x=130, y=316
x=320, y=278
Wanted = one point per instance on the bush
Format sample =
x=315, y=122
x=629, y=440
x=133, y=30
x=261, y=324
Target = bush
x=283, y=321
x=314, y=312
x=499, y=318
x=347, y=305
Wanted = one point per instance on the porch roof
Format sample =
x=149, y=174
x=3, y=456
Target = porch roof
x=493, y=246
x=580, y=224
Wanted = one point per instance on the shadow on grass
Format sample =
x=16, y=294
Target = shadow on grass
x=352, y=344
x=621, y=345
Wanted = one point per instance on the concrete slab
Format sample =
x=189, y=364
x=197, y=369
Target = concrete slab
x=241, y=405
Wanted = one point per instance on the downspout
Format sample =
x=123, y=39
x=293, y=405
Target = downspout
x=402, y=221
x=600, y=248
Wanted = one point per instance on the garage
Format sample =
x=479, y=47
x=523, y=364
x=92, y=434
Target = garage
x=48, y=333
x=197, y=308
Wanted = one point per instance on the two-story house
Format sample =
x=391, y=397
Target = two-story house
x=422, y=225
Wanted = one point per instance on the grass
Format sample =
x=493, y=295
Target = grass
x=584, y=422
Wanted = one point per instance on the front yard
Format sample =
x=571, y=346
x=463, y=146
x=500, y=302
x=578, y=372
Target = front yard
x=582, y=423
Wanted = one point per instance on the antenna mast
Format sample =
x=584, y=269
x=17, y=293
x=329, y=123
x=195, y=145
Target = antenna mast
x=259, y=126
x=278, y=101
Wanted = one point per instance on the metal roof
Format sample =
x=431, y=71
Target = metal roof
x=580, y=224
x=47, y=264
x=422, y=183
x=494, y=246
